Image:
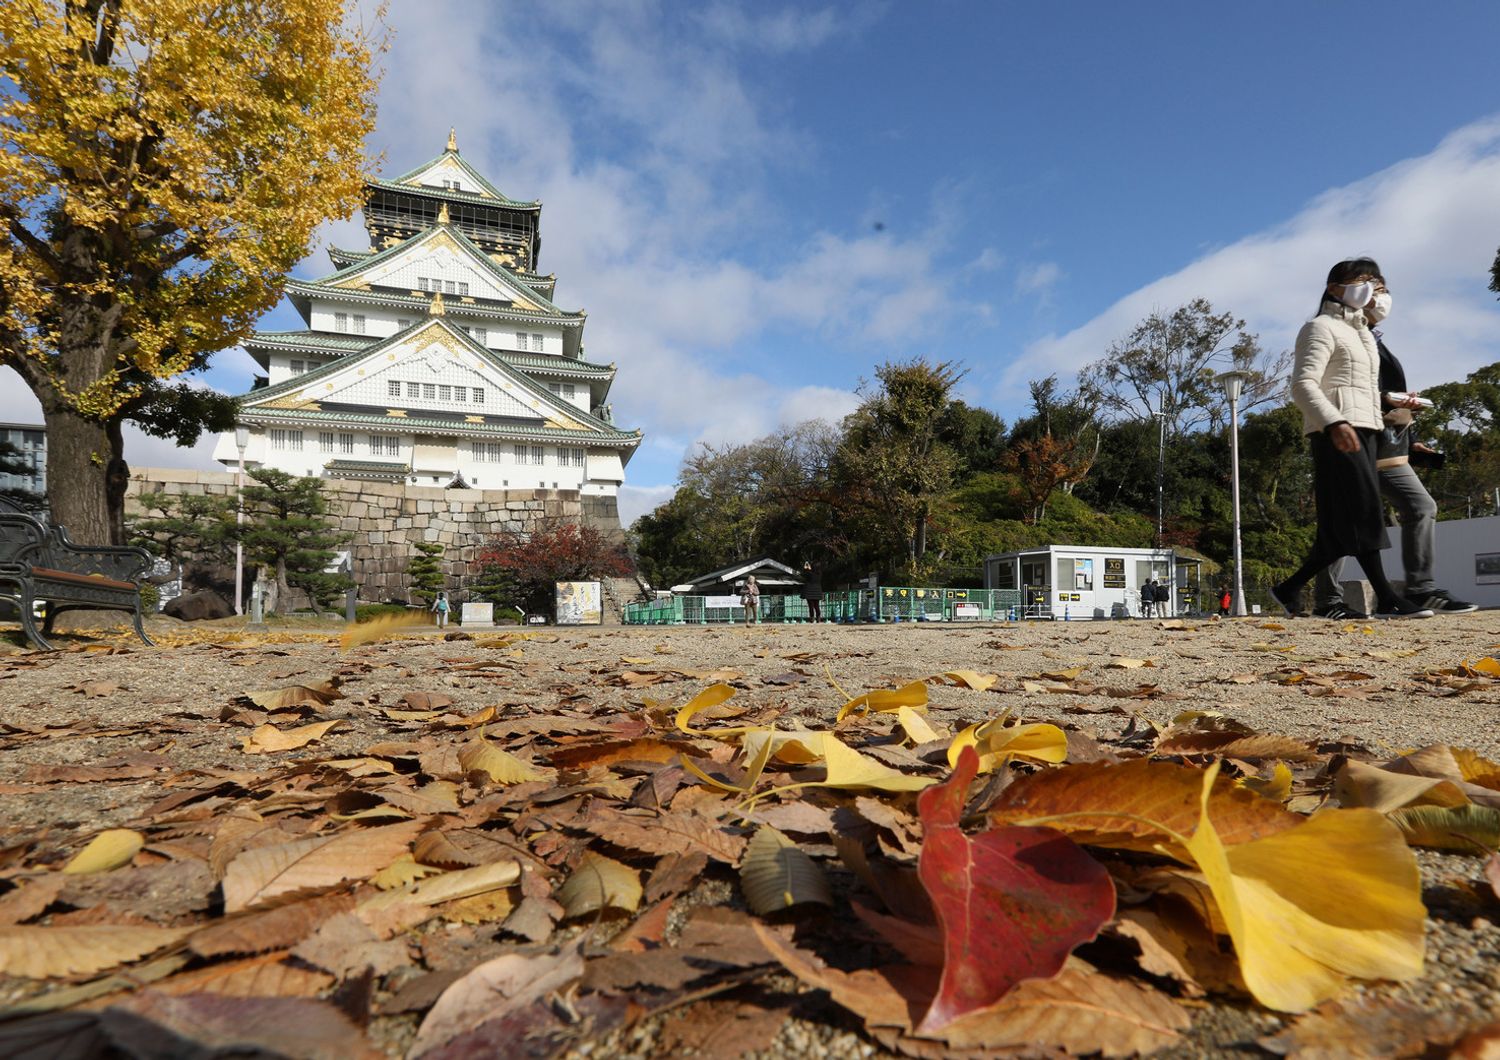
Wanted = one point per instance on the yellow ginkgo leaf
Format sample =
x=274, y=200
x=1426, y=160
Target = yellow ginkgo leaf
x=106, y=851
x=711, y=696
x=1335, y=898
x=847, y=768
x=759, y=746
x=1485, y=666
x=501, y=766
x=916, y=727
x=996, y=744
x=969, y=679
x=887, y=699
x=1277, y=787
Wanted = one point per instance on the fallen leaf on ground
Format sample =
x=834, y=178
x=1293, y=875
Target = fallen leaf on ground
x=1012, y=902
x=31, y=952
x=263, y=874
x=108, y=850
x=493, y=991
x=776, y=875
x=600, y=883
x=265, y=739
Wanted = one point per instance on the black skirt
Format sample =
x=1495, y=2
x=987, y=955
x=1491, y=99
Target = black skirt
x=1351, y=516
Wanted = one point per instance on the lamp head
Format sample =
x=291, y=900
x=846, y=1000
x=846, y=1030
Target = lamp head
x=1233, y=383
x=241, y=437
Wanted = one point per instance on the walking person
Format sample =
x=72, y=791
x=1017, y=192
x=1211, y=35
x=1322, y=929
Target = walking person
x=1163, y=600
x=1399, y=485
x=1336, y=385
x=1225, y=600
x=1148, y=598
x=440, y=609
x=750, y=598
x=812, y=591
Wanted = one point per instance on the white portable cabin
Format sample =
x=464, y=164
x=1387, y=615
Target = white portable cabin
x=1083, y=582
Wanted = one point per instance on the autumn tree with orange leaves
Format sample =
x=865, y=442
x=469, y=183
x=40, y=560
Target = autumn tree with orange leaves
x=163, y=164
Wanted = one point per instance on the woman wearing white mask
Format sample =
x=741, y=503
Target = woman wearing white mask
x=1336, y=385
x=1396, y=454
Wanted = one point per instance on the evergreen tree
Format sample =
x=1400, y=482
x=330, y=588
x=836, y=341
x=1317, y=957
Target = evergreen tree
x=426, y=570
x=182, y=527
x=288, y=529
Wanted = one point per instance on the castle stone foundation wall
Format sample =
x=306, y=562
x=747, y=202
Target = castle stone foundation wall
x=387, y=519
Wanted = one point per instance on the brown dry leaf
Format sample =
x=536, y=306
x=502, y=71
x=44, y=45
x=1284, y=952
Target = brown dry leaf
x=318, y=695
x=668, y=833
x=273, y=929
x=600, y=883
x=426, y=700
x=268, y=739
x=449, y=886
x=263, y=874
x=31, y=952
x=490, y=908
x=346, y=946
x=30, y=899
x=776, y=875
x=1365, y=1027
x=721, y=1030
x=266, y=976
x=108, y=850
x=495, y=990
x=1362, y=784
x=240, y=1026
x=1109, y=799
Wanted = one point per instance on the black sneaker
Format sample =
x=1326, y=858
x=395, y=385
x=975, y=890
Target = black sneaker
x=1339, y=613
x=1402, y=608
x=1290, y=602
x=1440, y=602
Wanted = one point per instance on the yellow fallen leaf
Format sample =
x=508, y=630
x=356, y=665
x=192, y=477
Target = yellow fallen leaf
x=1072, y=673
x=265, y=739
x=911, y=695
x=847, y=768
x=501, y=766
x=1274, y=626
x=1490, y=667
x=1125, y=663
x=637, y=660
x=968, y=679
x=1335, y=898
x=402, y=872
x=1277, y=787
x=448, y=886
x=1273, y=647
x=916, y=727
x=996, y=744
x=711, y=696
x=106, y=851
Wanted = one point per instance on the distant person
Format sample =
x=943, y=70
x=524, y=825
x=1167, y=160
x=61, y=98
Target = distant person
x=1163, y=600
x=750, y=599
x=812, y=592
x=1148, y=598
x=1399, y=484
x=1336, y=385
x=440, y=609
x=1225, y=600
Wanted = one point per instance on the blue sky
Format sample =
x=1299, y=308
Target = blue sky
x=758, y=203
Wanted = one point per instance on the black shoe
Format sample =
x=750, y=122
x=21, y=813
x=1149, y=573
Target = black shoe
x=1339, y=613
x=1291, y=603
x=1401, y=608
x=1440, y=602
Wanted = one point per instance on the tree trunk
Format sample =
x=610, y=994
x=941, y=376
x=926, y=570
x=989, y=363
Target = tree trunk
x=283, y=590
x=79, y=458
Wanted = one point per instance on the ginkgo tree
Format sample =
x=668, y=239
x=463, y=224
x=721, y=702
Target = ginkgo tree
x=163, y=164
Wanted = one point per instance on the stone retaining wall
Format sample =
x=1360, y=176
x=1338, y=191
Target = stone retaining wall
x=386, y=519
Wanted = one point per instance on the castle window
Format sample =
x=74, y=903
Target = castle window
x=393, y=388
x=449, y=287
x=346, y=444
x=478, y=395
x=523, y=455
x=359, y=323
x=298, y=367
x=520, y=340
x=481, y=336
x=294, y=441
x=341, y=322
x=402, y=323
x=413, y=390
x=538, y=455
x=422, y=283
x=537, y=341
x=463, y=288
x=460, y=394
x=278, y=438
x=445, y=393
x=325, y=441
x=429, y=391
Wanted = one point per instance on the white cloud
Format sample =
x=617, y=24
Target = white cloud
x=1038, y=279
x=636, y=501
x=1432, y=222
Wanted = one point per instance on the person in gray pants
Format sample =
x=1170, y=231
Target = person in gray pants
x=1400, y=486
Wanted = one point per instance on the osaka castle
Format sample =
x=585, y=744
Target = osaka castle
x=437, y=357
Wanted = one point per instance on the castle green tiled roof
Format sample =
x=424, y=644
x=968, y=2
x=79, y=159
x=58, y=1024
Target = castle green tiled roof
x=614, y=439
x=495, y=196
x=322, y=341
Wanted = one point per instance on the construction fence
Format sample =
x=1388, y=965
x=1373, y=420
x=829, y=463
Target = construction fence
x=886, y=604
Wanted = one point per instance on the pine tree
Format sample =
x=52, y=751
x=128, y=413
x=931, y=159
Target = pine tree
x=288, y=529
x=426, y=570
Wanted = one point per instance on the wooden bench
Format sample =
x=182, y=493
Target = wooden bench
x=38, y=564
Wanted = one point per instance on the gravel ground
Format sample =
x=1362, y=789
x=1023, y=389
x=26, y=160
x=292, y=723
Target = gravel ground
x=168, y=700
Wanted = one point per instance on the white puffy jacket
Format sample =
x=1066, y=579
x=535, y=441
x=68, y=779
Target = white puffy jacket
x=1336, y=370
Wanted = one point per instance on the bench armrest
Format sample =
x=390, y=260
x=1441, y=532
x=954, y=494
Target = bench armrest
x=124, y=563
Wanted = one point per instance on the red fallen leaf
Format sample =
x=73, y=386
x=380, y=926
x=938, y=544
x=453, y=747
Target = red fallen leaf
x=1012, y=902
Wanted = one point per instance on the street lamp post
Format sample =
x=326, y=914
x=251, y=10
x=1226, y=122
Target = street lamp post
x=241, y=442
x=1161, y=470
x=1233, y=383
